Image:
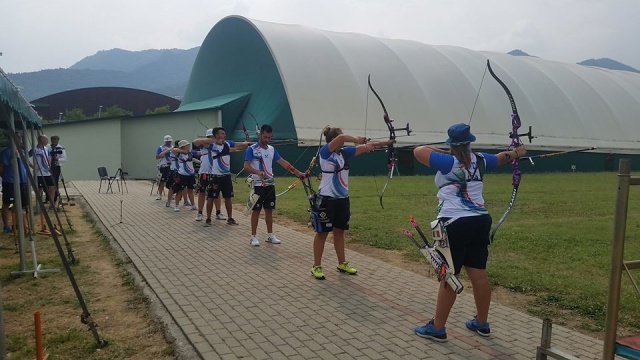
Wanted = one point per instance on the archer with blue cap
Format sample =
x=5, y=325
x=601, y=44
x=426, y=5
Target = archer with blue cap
x=465, y=220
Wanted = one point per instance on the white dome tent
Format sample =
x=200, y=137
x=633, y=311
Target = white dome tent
x=324, y=75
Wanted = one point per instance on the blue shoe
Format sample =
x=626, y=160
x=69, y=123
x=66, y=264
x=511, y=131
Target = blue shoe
x=430, y=332
x=8, y=229
x=482, y=329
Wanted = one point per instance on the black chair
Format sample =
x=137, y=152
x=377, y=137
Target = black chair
x=104, y=176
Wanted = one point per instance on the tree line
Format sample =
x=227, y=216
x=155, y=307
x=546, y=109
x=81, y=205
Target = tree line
x=76, y=114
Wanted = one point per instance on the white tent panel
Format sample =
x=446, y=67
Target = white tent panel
x=568, y=105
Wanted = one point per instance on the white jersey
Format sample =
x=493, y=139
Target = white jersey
x=262, y=159
x=173, y=161
x=42, y=161
x=185, y=164
x=221, y=164
x=62, y=157
x=206, y=159
x=460, y=190
x=335, y=171
x=165, y=160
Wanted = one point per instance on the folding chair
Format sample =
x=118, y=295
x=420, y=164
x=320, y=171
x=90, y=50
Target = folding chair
x=120, y=176
x=104, y=176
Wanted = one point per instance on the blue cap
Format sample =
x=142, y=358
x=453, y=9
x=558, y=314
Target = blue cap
x=460, y=134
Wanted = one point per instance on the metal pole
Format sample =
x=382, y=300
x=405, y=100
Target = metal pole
x=17, y=196
x=3, y=348
x=617, y=254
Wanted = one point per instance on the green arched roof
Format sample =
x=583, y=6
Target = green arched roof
x=235, y=59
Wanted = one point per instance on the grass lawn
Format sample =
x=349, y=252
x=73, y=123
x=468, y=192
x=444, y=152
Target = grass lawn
x=555, y=243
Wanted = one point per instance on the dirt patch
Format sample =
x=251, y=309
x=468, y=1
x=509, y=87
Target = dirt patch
x=119, y=308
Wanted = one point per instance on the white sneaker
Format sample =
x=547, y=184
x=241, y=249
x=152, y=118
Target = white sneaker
x=254, y=241
x=176, y=209
x=273, y=239
x=199, y=217
x=220, y=217
x=159, y=197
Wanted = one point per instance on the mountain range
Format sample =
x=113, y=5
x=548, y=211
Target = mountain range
x=163, y=71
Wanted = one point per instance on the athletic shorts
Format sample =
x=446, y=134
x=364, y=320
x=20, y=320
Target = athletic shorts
x=267, y=198
x=183, y=181
x=334, y=213
x=8, y=194
x=204, y=183
x=45, y=181
x=222, y=184
x=170, y=179
x=165, y=171
x=469, y=241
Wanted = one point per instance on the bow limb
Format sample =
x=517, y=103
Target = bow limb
x=386, y=183
x=515, y=142
x=391, y=154
x=257, y=125
x=247, y=138
x=294, y=184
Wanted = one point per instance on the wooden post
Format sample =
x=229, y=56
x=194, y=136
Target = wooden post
x=39, y=352
x=617, y=254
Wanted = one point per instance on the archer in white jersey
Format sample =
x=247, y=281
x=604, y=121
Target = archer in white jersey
x=258, y=162
x=464, y=218
x=331, y=210
x=217, y=152
x=186, y=174
x=163, y=153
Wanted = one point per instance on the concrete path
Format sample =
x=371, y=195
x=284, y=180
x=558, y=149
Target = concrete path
x=234, y=301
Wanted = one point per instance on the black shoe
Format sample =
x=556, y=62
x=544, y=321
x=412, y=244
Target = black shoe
x=231, y=221
x=207, y=223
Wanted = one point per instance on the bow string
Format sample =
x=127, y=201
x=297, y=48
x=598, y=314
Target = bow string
x=312, y=165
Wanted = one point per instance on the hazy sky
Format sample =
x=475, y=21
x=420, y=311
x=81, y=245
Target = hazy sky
x=41, y=34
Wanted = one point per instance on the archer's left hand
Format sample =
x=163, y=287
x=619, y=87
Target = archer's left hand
x=361, y=140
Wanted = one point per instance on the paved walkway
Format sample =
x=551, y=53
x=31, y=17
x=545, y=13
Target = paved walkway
x=233, y=301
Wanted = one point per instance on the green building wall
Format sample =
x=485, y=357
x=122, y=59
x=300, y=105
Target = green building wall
x=88, y=144
x=129, y=143
x=376, y=163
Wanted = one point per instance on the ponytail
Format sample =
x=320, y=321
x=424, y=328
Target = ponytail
x=463, y=154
